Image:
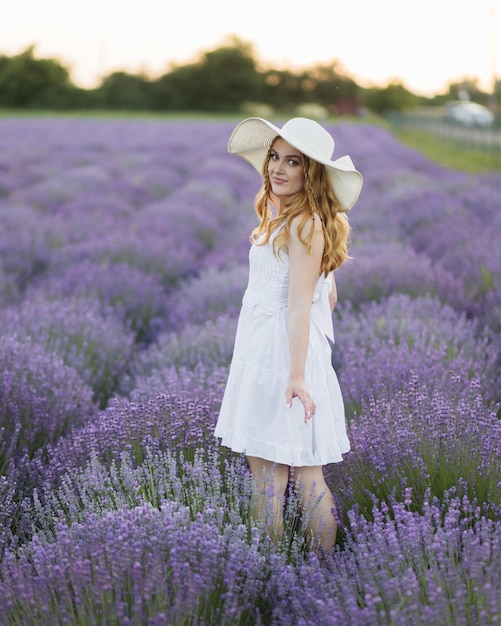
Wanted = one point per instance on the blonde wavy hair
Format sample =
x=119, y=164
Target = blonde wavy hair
x=316, y=197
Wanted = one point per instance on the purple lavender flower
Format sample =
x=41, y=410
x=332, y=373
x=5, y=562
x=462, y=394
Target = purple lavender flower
x=97, y=345
x=401, y=568
x=176, y=379
x=181, y=420
x=207, y=296
x=137, y=565
x=41, y=398
x=428, y=441
x=379, y=270
x=382, y=345
x=133, y=296
x=208, y=345
x=118, y=257
x=24, y=249
x=8, y=506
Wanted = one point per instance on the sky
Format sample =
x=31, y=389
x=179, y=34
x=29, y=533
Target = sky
x=423, y=45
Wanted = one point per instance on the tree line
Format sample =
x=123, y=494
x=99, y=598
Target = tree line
x=226, y=79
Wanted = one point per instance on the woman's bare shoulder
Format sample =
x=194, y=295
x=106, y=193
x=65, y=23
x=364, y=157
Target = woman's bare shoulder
x=308, y=236
x=312, y=221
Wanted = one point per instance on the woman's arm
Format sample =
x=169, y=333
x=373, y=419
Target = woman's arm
x=333, y=294
x=304, y=272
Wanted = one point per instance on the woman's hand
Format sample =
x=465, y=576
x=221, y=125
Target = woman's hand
x=297, y=389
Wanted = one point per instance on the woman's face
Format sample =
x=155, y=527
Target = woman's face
x=285, y=169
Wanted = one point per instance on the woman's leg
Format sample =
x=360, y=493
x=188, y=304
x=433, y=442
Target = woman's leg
x=270, y=482
x=318, y=506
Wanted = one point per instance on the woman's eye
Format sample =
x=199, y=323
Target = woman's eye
x=292, y=162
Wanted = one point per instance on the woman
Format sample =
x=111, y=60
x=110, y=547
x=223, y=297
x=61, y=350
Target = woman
x=282, y=404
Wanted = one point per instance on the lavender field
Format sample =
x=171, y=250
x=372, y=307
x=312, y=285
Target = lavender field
x=123, y=260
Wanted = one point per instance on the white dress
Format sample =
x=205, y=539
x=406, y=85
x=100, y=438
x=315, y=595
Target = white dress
x=254, y=418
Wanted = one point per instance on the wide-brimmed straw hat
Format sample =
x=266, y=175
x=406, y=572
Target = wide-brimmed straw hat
x=252, y=138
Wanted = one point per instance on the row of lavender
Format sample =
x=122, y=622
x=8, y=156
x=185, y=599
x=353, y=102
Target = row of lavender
x=123, y=255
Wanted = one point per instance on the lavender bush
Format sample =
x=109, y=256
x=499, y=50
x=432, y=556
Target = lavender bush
x=384, y=344
x=428, y=442
x=208, y=345
x=207, y=296
x=178, y=380
x=377, y=271
x=144, y=251
x=41, y=398
x=9, y=509
x=138, y=566
x=123, y=260
x=24, y=249
x=402, y=568
x=133, y=296
x=8, y=289
x=180, y=421
x=97, y=345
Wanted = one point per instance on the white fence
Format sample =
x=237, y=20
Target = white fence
x=473, y=138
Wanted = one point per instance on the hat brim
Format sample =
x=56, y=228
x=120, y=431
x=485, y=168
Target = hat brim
x=251, y=140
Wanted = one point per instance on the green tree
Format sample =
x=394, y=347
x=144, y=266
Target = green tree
x=334, y=89
x=394, y=97
x=121, y=90
x=321, y=84
x=180, y=89
x=29, y=82
x=222, y=80
x=285, y=90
